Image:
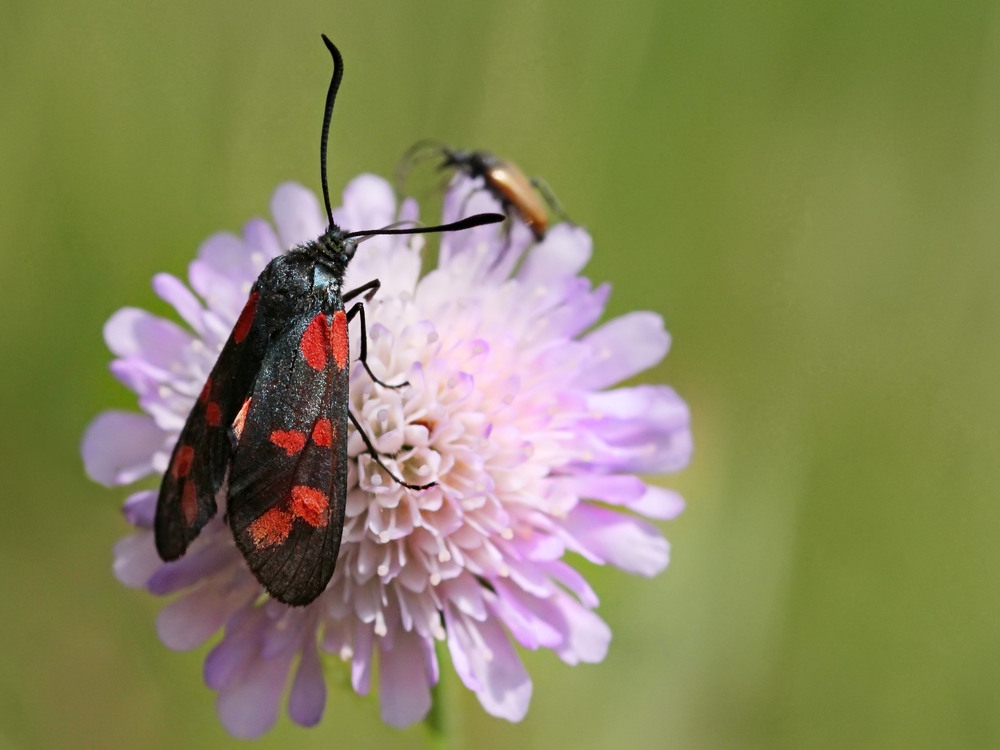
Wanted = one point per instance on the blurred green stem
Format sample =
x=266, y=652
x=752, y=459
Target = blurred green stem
x=439, y=725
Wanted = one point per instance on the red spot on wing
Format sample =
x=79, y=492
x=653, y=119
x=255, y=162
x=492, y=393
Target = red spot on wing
x=311, y=505
x=182, y=462
x=291, y=440
x=338, y=339
x=242, y=327
x=203, y=396
x=241, y=419
x=189, y=503
x=323, y=432
x=271, y=528
x=213, y=414
x=314, y=342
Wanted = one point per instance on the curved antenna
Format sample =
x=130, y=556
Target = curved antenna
x=467, y=223
x=418, y=152
x=331, y=96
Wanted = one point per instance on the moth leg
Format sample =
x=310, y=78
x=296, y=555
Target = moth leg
x=375, y=456
x=359, y=309
x=368, y=290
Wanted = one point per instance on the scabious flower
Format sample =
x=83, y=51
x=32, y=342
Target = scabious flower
x=510, y=408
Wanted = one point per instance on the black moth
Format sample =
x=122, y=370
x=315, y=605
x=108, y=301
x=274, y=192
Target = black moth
x=271, y=422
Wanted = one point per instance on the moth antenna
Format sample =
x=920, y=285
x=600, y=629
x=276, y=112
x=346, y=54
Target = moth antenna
x=331, y=96
x=468, y=222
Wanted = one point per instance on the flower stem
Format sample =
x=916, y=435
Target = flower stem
x=439, y=725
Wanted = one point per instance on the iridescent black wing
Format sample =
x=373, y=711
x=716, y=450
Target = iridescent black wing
x=288, y=483
x=204, y=448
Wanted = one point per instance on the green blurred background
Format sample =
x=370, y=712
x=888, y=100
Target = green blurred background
x=807, y=191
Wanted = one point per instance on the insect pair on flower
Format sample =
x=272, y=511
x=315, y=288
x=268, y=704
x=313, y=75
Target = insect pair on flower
x=511, y=413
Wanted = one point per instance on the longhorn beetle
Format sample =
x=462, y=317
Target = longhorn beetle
x=502, y=178
x=270, y=425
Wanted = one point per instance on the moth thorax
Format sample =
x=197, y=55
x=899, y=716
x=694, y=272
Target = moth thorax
x=337, y=246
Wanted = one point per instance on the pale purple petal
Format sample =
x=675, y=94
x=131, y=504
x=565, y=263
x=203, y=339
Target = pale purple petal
x=140, y=509
x=623, y=541
x=262, y=242
x=173, y=291
x=624, y=347
x=586, y=637
x=564, y=252
x=659, y=503
x=118, y=447
x=190, y=620
x=189, y=569
x=404, y=684
x=571, y=579
x=248, y=707
x=643, y=430
x=131, y=332
x=579, y=311
x=225, y=662
x=528, y=618
x=368, y=203
x=297, y=214
x=361, y=664
x=223, y=274
x=135, y=559
x=307, y=698
x=489, y=666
